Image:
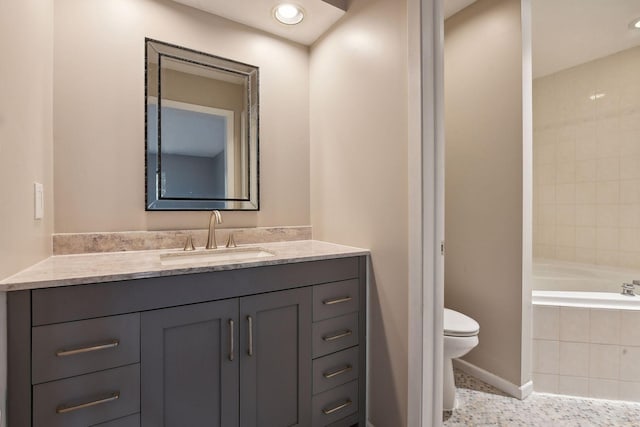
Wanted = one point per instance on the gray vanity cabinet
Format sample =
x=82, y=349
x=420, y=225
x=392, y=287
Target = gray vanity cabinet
x=189, y=370
x=270, y=346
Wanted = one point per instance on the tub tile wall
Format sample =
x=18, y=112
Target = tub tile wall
x=572, y=324
x=586, y=146
x=630, y=321
x=586, y=352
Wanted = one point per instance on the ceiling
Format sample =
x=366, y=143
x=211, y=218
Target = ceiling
x=566, y=33
x=452, y=7
x=320, y=15
x=571, y=32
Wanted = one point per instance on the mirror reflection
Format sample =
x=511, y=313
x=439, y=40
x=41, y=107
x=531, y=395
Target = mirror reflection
x=201, y=131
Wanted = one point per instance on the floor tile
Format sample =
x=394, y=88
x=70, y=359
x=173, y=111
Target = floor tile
x=482, y=405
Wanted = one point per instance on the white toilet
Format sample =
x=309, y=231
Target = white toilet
x=460, y=336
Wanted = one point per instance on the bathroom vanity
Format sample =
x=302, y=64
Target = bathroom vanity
x=279, y=341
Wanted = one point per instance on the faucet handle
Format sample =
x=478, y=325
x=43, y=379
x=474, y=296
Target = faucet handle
x=188, y=245
x=231, y=242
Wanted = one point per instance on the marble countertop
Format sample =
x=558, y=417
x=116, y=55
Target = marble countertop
x=80, y=269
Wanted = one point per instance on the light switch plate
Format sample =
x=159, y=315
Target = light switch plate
x=38, y=199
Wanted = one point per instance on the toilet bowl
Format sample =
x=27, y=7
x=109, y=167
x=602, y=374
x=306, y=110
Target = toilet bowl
x=460, y=336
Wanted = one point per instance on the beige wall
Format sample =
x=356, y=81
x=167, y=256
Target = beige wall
x=484, y=179
x=359, y=176
x=26, y=43
x=587, y=162
x=99, y=113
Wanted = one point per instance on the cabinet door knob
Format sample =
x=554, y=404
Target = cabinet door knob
x=250, y=320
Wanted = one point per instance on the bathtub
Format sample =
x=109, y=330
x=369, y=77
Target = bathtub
x=586, y=336
x=569, y=276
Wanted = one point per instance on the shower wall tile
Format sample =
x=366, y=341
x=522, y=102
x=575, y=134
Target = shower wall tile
x=629, y=191
x=587, y=162
x=607, y=257
x=607, y=192
x=586, y=215
x=608, y=216
x=566, y=253
x=628, y=259
x=607, y=238
x=585, y=170
x=566, y=215
x=565, y=235
x=586, y=237
x=586, y=255
x=630, y=167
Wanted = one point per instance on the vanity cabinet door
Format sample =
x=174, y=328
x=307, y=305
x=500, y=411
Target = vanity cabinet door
x=189, y=365
x=275, y=368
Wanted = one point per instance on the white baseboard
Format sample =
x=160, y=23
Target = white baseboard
x=519, y=392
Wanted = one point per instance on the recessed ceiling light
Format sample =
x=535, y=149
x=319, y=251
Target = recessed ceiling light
x=635, y=24
x=289, y=14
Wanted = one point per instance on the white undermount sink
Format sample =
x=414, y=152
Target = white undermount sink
x=215, y=255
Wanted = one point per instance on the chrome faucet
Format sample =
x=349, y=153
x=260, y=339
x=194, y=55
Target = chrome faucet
x=629, y=288
x=215, y=218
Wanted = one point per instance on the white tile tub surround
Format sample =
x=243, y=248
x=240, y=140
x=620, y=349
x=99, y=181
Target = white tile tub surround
x=586, y=145
x=587, y=352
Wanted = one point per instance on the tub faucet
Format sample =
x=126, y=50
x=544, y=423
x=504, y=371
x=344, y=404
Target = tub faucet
x=215, y=218
x=629, y=288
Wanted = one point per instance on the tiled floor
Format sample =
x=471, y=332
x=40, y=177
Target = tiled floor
x=482, y=405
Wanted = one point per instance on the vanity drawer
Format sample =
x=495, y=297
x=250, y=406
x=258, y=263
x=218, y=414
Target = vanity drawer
x=130, y=421
x=74, y=348
x=335, y=404
x=335, y=299
x=89, y=399
x=335, y=369
x=334, y=334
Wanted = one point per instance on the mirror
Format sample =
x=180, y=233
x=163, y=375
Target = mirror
x=201, y=120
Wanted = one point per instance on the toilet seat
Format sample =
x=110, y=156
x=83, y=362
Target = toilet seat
x=458, y=325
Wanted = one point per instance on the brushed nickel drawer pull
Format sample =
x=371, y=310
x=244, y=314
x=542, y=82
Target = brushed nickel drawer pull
x=337, y=335
x=337, y=372
x=231, y=349
x=330, y=411
x=63, y=409
x=337, y=300
x=80, y=350
x=250, y=320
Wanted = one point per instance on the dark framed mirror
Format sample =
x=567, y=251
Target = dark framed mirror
x=201, y=130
